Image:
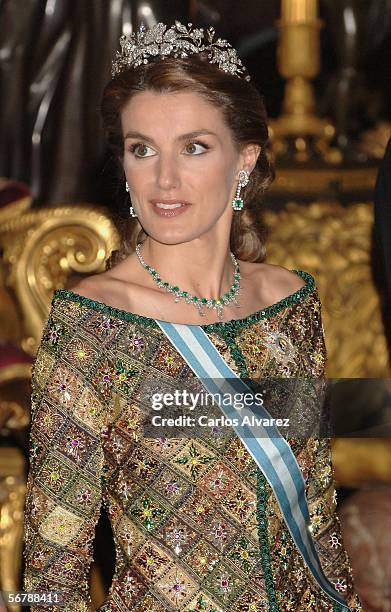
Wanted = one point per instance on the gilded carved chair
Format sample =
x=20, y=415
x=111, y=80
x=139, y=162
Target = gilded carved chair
x=45, y=249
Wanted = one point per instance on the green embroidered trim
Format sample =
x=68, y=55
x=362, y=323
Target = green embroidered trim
x=234, y=324
x=262, y=490
x=271, y=310
x=229, y=333
x=111, y=311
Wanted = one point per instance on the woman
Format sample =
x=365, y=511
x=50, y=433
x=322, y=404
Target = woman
x=207, y=522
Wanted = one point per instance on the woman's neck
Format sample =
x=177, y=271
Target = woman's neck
x=200, y=267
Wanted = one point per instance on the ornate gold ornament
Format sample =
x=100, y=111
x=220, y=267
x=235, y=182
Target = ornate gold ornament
x=299, y=62
x=333, y=242
x=44, y=248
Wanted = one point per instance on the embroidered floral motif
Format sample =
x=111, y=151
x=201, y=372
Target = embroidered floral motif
x=136, y=344
x=77, y=445
x=202, y=604
x=241, y=503
x=149, y=512
x=178, y=535
x=218, y=481
x=334, y=541
x=193, y=459
x=340, y=585
x=142, y=465
x=244, y=554
x=203, y=558
x=54, y=475
x=64, y=386
x=48, y=422
x=126, y=378
x=177, y=586
x=223, y=584
x=128, y=585
x=151, y=561
x=166, y=361
x=60, y=526
x=198, y=506
x=54, y=334
x=105, y=326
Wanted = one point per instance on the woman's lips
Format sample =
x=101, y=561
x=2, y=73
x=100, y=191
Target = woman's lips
x=169, y=208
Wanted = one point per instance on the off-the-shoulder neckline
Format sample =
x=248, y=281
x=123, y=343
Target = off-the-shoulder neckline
x=263, y=313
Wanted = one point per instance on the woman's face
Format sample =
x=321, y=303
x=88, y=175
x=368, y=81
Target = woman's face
x=181, y=165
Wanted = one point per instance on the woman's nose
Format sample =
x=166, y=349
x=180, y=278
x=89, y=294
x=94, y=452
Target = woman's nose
x=167, y=172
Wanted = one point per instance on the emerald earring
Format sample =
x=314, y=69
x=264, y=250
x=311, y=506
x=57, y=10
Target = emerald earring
x=243, y=178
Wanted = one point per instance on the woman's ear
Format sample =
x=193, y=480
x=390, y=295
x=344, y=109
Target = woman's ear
x=249, y=156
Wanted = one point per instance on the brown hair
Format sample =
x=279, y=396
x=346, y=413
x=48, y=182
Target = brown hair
x=244, y=112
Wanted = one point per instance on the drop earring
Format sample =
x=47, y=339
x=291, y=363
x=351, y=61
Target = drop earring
x=131, y=209
x=238, y=202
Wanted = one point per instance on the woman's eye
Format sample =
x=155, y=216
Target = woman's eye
x=191, y=148
x=140, y=150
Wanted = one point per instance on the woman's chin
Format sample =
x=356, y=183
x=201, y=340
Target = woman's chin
x=171, y=238
x=178, y=232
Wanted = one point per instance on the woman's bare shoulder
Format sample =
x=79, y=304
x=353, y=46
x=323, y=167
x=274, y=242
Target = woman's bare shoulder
x=108, y=289
x=91, y=287
x=101, y=286
x=276, y=282
x=284, y=278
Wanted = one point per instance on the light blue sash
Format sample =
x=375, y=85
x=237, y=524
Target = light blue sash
x=270, y=451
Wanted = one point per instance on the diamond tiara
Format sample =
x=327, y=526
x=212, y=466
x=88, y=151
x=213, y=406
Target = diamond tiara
x=177, y=41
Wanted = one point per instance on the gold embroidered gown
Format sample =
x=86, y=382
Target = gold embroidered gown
x=196, y=526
